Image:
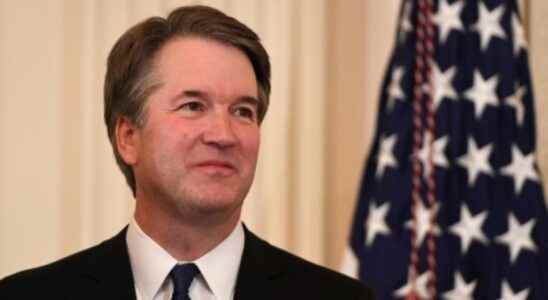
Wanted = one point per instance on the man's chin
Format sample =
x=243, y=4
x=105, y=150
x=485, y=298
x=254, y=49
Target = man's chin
x=217, y=206
x=209, y=205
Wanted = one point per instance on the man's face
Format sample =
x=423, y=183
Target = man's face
x=198, y=148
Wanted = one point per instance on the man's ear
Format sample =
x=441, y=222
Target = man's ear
x=127, y=140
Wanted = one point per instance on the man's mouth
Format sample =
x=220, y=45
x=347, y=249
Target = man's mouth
x=218, y=167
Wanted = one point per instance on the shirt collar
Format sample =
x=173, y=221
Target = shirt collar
x=220, y=266
x=151, y=264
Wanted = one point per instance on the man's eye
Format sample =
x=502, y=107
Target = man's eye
x=245, y=112
x=192, y=106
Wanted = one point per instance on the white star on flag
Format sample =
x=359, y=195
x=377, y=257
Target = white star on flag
x=521, y=168
x=386, y=155
x=518, y=237
x=405, y=26
x=515, y=101
x=482, y=93
x=442, y=84
x=395, y=91
x=461, y=290
x=424, y=223
x=488, y=24
x=518, y=34
x=448, y=18
x=469, y=228
x=438, y=157
x=508, y=294
x=421, y=287
x=476, y=161
x=376, y=223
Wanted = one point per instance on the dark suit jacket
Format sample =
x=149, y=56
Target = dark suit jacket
x=104, y=272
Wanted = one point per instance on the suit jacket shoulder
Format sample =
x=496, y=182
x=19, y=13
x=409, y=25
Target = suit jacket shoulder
x=104, y=272
x=268, y=272
x=100, y=272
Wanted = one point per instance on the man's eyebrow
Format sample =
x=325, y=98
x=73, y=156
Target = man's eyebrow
x=201, y=94
x=251, y=100
x=191, y=93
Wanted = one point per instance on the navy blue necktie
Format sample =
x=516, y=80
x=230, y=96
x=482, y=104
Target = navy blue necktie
x=182, y=276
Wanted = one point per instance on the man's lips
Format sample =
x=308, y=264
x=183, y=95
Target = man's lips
x=216, y=166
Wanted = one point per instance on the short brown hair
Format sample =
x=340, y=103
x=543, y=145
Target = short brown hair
x=129, y=79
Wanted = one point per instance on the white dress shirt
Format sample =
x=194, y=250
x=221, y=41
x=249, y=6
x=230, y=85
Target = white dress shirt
x=151, y=265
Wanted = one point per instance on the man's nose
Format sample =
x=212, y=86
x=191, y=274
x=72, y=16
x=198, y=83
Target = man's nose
x=220, y=131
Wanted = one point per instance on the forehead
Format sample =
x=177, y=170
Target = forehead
x=205, y=64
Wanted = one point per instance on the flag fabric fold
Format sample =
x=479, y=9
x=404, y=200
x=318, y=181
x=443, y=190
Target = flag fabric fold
x=491, y=219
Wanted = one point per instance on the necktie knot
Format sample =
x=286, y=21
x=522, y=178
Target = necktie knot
x=182, y=276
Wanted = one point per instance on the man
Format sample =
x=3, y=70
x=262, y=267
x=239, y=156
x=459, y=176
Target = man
x=184, y=98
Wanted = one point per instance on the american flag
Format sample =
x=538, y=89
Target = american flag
x=490, y=232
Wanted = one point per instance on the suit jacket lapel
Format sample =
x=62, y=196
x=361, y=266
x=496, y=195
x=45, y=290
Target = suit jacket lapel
x=257, y=268
x=108, y=273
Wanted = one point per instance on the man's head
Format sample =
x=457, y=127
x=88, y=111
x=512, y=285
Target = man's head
x=132, y=70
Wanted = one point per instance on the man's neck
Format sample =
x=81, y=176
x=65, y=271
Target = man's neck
x=182, y=238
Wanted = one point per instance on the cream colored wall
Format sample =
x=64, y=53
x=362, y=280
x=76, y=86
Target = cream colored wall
x=538, y=37
x=30, y=133
x=360, y=40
